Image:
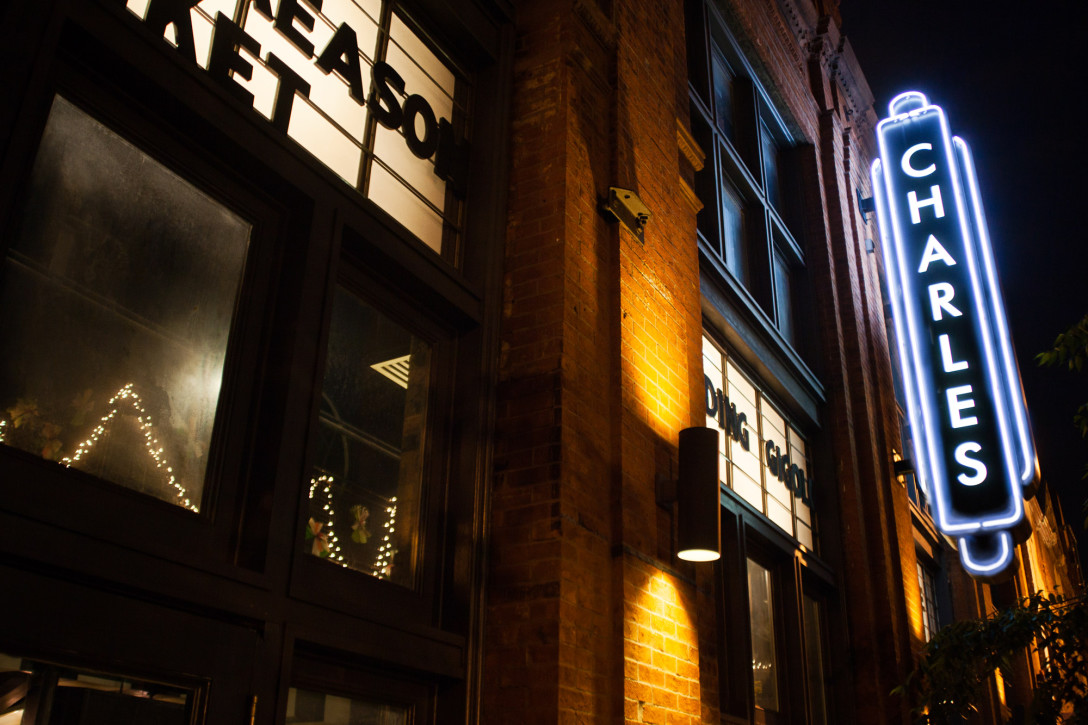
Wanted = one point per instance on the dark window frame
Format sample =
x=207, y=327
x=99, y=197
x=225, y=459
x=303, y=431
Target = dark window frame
x=245, y=574
x=740, y=161
x=746, y=534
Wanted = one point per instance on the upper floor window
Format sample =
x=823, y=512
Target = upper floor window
x=749, y=223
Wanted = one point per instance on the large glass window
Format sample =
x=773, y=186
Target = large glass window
x=764, y=457
x=366, y=475
x=118, y=291
x=748, y=223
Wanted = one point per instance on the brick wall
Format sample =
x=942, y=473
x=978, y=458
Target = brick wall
x=589, y=616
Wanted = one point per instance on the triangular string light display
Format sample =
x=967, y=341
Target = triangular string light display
x=128, y=395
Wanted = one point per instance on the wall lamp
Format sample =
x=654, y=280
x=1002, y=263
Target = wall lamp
x=697, y=497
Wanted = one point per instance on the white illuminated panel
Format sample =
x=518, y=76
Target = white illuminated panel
x=310, y=69
x=963, y=393
x=763, y=457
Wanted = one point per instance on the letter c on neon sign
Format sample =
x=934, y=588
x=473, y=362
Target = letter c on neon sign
x=910, y=170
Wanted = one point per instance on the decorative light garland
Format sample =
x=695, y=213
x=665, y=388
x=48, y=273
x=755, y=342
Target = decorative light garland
x=331, y=539
x=383, y=562
x=3, y=425
x=154, y=448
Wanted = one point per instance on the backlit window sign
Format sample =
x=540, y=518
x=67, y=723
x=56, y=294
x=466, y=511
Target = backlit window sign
x=350, y=83
x=967, y=412
x=763, y=456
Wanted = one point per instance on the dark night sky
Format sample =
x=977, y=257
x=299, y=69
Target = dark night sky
x=1013, y=80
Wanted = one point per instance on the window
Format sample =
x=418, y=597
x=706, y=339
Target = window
x=119, y=291
x=79, y=695
x=723, y=94
x=748, y=225
x=764, y=457
x=762, y=618
x=306, y=707
x=313, y=70
x=928, y=591
x=366, y=474
x=812, y=612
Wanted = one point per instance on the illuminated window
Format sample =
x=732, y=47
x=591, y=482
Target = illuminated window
x=118, y=291
x=764, y=457
x=366, y=475
x=307, y=707
x=764, y=655
x=927, y=588
x=316, y=65
x=748, y=225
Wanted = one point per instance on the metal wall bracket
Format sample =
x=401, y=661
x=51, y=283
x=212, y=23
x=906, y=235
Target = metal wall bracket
x=625, y=206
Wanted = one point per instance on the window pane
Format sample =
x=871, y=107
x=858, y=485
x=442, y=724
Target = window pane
x=305, y=707
x=723, y=94
x=117, y=294
x=764, y=660
x=928, y=602
x=733, y=243
x=83, y=696
x=367, y=471
x=814, y=659
x=769, y=148
x=783, y=301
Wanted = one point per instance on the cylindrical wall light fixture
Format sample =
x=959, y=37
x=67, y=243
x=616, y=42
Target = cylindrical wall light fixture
x=698, y=518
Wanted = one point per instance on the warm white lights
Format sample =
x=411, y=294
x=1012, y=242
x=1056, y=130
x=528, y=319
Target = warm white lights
x=326, y=541
x=698, y=555
x=127, y=395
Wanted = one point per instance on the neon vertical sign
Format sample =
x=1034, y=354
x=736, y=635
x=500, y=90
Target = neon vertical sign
x=968, y=418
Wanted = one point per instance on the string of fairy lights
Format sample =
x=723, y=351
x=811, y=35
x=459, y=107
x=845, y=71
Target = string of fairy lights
x=128, y=395
x=383, y=561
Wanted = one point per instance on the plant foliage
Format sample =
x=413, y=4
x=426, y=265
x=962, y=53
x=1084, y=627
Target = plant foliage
x=959, y=661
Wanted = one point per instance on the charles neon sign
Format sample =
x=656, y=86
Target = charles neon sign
x=968, y=418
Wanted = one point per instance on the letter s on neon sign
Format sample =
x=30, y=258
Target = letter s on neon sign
x=910, y=170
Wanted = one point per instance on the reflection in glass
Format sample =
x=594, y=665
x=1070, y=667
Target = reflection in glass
x=723, y=94
x=305, y=707
x=769, y=149
x=814, y=659
x=83, y=696
x=736, y=251
x=764, y=659
x=364, y=492
x=115, y=308
x=783, y=301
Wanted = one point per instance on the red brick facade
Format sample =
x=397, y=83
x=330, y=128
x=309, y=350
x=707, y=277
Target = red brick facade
x=590, y=617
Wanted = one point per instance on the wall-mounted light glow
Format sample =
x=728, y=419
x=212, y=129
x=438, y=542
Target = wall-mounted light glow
x=968, y=418
x=698, y=519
